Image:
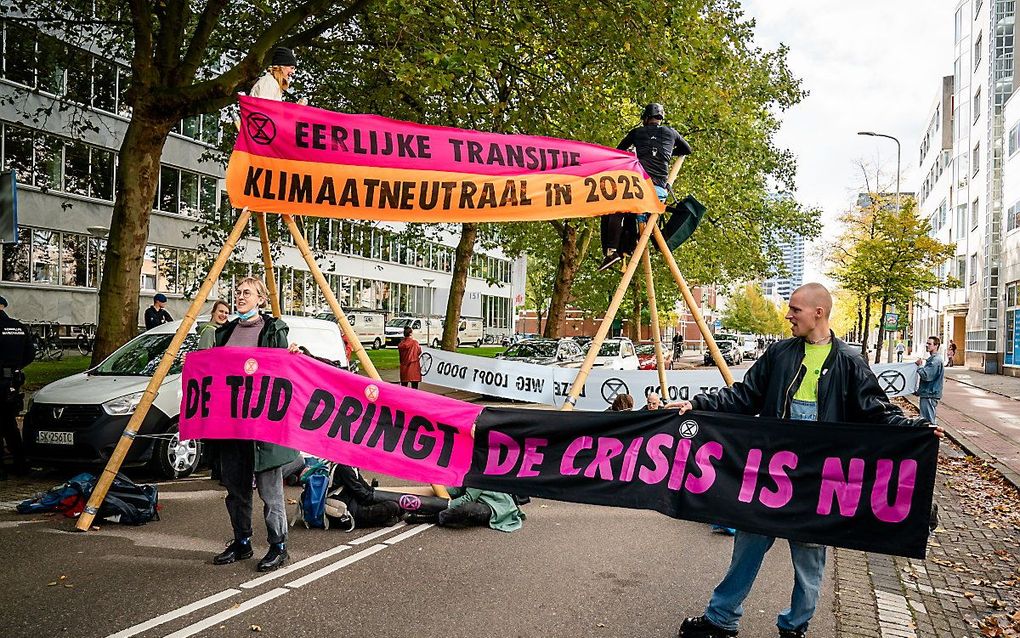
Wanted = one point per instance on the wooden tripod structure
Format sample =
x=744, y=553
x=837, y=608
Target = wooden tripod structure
x=641, y=255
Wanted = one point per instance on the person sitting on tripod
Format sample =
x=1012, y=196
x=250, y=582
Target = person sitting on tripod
x=655, y=146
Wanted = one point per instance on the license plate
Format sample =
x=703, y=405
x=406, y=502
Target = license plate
x=55, y=438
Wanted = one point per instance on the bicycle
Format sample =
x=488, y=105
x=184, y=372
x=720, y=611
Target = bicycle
x=46, y=342
x=86, y=339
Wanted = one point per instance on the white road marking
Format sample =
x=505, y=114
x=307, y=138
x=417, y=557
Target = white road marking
x=255, y=582
x=177, y=613
x=408, y=534
x=376, y=534
x=340, y=564
x=211, y=621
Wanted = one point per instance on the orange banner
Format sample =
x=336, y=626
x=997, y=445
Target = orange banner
x=388, y=194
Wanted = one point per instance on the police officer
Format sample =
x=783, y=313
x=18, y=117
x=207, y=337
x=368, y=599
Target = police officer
x=16, y=352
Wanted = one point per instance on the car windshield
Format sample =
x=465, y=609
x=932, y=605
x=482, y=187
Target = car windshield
x=609, y=349
x=403, y=322
x=724, y=345
x=140, y=356
x=532, y=349
x=645, y=349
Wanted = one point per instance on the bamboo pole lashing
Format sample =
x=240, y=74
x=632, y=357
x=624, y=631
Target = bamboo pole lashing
x=267, y=262
x=607, y=320
x=159, y=374
x=345, y=326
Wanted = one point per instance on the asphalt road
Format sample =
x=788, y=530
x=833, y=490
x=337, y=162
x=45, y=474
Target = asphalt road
x=573, y=570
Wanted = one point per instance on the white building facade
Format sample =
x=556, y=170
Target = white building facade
x=66, y=183
x=976, y=215
x=793, y=259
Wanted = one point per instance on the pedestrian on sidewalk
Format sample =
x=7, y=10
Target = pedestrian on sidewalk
x=409, y=351
x=156, y=314
x=900, y=348
x=240, y=460
x=847, y=393
x=951, y=353
x=932, y=375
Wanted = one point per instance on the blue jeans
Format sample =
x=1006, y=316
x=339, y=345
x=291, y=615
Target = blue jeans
x=662, y=192
x=927, y=406
x=727, y=603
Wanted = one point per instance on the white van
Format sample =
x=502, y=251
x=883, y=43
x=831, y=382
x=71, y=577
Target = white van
x=425, y=330
x=470, y=332
x=80, y=419
x=370, y=326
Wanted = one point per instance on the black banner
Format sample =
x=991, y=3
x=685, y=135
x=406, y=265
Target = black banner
x=866, y=487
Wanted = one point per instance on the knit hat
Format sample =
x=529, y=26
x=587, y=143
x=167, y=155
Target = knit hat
x=160, y=297
x=283, y=56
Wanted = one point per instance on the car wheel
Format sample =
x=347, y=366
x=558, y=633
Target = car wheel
x=376, y=344
x=478, y=344
x=435, y=343
x=174, y=458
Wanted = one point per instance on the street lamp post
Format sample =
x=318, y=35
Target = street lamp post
x=890, y=137
x=428, y=318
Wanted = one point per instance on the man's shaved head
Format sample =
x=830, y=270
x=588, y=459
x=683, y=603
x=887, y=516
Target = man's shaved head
x=815, y=295
x=810, y=306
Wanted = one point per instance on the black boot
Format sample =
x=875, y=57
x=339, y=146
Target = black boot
x=236, y=550
x=792, y=633
x=414, y=518
x=701, y=627
x=274, y=559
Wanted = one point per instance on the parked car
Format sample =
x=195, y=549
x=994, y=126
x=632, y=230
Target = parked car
x=749, y=346
x=617, y=354
x=646, y=356
x=370, y=326
x=550, y=352
x=730, y=352
x=79, y=419
x=425, y=330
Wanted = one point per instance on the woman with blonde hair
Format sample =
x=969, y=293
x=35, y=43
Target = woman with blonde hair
x=276, y=81
x=241, y=459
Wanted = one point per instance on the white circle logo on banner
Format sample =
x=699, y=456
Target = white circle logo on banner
x=372, y=392
x=689, y=429
x=250, y=366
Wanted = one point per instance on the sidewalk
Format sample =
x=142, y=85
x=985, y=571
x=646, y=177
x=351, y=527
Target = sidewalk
x=981, y=412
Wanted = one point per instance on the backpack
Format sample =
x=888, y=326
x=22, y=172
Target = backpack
x=318, y=504
x=130, y=504
x=68, y=498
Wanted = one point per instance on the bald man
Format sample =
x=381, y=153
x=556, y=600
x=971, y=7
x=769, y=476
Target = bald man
x=812, y=376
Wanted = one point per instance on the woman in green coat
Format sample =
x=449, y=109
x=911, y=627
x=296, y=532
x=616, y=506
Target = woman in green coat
x=241, y=459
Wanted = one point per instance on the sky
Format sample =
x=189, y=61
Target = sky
x=869, y=65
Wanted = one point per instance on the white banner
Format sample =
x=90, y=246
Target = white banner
x=549, y=384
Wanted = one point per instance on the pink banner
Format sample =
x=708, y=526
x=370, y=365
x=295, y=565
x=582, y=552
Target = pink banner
x=292, y=132
x=271, y=395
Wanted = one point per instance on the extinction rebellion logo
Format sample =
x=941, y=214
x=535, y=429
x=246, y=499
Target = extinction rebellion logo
x=261, y=128
x=689, y=429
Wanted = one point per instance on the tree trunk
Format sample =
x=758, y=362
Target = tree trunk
x=866, y=331
x=860, y=322
x=461, y=266
x=881, y=330
x=137, y=180
x=635, y=313
x=573, y=247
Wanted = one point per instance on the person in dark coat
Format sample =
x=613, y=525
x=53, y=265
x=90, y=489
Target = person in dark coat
x=360, y=498
x=156, y=314
x=242, y=459
x=812, y=376
x=16, y=352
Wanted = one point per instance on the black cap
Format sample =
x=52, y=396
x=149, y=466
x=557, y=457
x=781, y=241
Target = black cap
x=160, y=297
x=283, y=56
x=3, y=301
x=653, y=110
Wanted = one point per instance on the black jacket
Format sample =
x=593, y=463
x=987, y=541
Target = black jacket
x=848, y=391
x=16, y=349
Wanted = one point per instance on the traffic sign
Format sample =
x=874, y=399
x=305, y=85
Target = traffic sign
x=891, y=321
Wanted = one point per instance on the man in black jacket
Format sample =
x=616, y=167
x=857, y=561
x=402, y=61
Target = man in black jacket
x=812, y=377
x=16, y=352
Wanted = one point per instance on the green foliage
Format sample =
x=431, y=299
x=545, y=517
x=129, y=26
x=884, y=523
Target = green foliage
x=748, y=311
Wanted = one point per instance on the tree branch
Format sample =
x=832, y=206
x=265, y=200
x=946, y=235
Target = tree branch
x=172, y=19
x=141, y=22
x=185, y=71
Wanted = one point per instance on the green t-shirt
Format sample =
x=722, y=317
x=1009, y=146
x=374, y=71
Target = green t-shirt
x=814, y=358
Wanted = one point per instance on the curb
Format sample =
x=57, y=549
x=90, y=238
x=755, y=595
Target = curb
x=972, y=448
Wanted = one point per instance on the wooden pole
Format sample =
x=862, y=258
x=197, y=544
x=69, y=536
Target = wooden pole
x=151, y=390
x=607, y=320
x=660, y=360
x=692, y=304
x=267, y=261
x=345, y=326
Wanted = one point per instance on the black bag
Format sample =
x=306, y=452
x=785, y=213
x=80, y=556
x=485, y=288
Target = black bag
x=130, y=504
